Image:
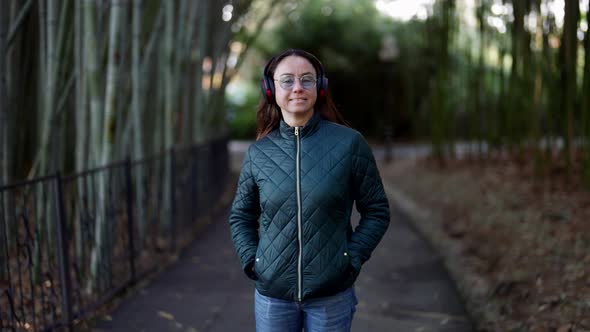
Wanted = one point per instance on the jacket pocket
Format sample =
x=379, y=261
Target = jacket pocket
x=259, y=263
x=255, y=268
x=346, y=260
x=345, y=265
x=350, y=272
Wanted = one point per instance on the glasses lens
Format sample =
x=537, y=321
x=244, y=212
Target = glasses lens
x=307, y=82
x=287, y=82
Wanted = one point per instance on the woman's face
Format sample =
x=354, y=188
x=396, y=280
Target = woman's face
x=296, y=101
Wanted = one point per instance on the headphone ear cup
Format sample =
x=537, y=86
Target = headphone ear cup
x=268, y=90
x=322, y=86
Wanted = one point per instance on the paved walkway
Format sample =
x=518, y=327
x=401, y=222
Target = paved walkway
x=403, y=287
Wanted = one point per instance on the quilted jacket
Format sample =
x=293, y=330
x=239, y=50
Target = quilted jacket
x=290, y=218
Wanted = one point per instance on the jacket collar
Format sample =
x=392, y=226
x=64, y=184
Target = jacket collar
x=308, y=129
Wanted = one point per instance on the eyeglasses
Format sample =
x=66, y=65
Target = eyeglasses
x=287, y=82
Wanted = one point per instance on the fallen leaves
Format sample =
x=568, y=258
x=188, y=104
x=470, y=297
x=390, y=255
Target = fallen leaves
x=165, y=315
x=565, y=328
x=525, y=246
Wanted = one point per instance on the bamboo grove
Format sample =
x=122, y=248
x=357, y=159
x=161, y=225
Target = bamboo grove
x=85, y=83
x=516, y=81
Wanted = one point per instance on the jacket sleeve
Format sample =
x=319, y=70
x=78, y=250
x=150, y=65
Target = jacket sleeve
x=371, y=203
x=243, y=218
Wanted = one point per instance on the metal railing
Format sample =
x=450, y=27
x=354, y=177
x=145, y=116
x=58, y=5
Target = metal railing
x=69, y=244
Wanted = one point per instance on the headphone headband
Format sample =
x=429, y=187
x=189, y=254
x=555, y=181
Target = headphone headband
x=267, y=84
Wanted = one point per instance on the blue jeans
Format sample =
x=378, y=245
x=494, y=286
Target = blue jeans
x=326, y=314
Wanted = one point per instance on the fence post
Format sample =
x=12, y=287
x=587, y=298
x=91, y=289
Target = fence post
x=62, y=250
x=206, y=183
x=129, y=184
x=195, y=206
x=172, y=188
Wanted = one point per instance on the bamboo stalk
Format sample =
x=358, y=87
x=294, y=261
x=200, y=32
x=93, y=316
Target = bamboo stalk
x=136, y=106
x=149, y=67
x=537, y=93
x=480, y=77
x=17, y=23
x=570, y=47
x=169, y=109
x=43, y=220
x=586, y=107
x=185, y=61
x=4, y=147
x=199, y=104
x=4, y=172
x=62, y=70
x=81, y=114
x=91, y=71
x=102, y=235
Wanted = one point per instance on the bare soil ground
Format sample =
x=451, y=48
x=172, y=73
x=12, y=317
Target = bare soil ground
x=518, y=247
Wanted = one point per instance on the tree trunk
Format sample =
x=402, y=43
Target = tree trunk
x=586, y=107
x=50, y=88
x=151, y=85
x=102, y=236
x=92, y=73
x=199, y=104
x=62, y=86
x=537, y=93
x=20, y=74
x=502, y=131
x=527, y=76
x=82, y=125
x=4, y=143
x=440, y=125
x=215, y=111
x=4, y=167
x=185, y=66
x=568, y=78
x=169, y=79
x=44, y=218
x=122, y=132
x=169, y=112
x=136, y=106
x=480, y=78
x=514, y=114
x=554, y=103
x=449, y=109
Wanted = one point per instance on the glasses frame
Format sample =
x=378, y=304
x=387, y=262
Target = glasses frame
x=315, y=82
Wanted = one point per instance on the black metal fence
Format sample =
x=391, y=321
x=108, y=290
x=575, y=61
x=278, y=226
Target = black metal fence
x=69, y=244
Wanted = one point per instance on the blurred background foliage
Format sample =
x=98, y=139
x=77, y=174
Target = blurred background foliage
x=346, y=36
x=510, y=77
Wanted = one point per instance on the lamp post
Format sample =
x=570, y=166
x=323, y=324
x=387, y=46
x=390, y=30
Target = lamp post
x=388, y=54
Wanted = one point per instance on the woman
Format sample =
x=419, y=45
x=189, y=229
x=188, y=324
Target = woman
x=290, y=218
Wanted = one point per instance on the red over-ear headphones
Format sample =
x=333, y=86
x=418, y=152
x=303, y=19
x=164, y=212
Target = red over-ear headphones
x=267, y=83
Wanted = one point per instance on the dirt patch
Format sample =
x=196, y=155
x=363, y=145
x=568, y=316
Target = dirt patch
x=518, y=247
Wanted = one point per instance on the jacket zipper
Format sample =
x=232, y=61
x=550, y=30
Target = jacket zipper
x=299, y=236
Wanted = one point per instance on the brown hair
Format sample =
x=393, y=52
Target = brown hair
x=269, y=115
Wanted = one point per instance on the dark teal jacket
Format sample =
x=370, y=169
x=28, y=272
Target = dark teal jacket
x=290, y=218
